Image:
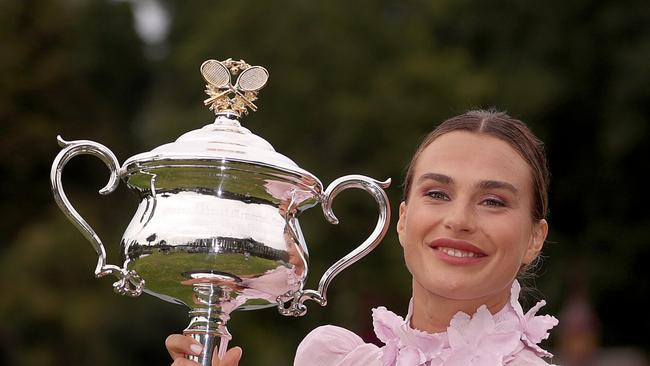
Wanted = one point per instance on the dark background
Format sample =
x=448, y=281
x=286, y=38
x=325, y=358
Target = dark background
x=354, y=86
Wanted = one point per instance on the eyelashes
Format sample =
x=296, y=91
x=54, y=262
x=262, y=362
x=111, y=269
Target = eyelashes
x=439, y=195
x=493, y=202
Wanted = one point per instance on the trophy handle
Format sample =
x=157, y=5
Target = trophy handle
x=129, y=282
x=376, y=189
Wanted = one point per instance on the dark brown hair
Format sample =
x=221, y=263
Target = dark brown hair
x=505, y=128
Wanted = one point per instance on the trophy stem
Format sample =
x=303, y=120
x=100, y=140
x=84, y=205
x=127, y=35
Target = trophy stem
x=208, y=327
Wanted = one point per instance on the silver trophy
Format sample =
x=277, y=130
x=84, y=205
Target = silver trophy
x=217, y=225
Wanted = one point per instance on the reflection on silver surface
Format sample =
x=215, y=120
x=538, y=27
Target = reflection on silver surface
x=193, y=238
x=217, y=225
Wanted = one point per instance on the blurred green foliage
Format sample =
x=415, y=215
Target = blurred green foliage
x=353, y=87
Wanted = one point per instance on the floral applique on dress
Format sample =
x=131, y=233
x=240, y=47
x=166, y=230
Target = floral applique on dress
x=482, y=339
x=508, y=337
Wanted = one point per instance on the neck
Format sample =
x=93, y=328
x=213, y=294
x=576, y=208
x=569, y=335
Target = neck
x=432, y=313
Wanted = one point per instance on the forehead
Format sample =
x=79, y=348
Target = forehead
x=471, y=156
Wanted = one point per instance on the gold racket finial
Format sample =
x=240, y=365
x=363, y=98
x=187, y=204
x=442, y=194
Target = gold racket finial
x=224, y=97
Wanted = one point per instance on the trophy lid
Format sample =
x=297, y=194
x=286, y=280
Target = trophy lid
x=224, y=143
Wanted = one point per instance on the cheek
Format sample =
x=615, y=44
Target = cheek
x=422, y=221
x=513, y=239
x=409, y=239
x=412, y=258
x=519, y=241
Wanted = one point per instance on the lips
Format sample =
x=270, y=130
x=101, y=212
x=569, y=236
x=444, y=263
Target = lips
x=457, y=251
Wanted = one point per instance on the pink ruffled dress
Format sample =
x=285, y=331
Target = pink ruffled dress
x=508, y=337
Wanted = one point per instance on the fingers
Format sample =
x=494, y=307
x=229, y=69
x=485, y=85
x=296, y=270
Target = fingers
x=185, y=362
x=179, y=345
x=231, y=357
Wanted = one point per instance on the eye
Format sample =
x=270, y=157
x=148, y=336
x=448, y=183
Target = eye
x=438, y=195
x=493, y=202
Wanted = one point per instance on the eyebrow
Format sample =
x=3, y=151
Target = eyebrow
x=496, y=184
x=440, y=178
x=484, y=184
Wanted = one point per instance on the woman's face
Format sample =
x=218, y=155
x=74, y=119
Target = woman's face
x=466, y=227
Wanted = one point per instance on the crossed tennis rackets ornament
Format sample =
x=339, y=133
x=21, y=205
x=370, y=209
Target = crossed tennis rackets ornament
x=226, y=97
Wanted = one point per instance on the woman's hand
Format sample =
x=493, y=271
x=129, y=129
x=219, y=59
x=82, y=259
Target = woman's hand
x=179, y=346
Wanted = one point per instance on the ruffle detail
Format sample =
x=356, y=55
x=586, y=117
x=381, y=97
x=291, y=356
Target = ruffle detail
x=405, y=346
x=534, y=328
x=482, y=339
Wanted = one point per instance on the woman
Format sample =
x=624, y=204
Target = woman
x=472, y=221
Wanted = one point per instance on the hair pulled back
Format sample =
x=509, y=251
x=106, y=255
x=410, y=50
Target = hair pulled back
x=510, y=130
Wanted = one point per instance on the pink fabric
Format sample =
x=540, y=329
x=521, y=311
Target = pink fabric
x=508, y=337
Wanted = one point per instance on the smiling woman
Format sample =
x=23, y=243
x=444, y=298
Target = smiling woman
x=466, y=226
x=472, y=220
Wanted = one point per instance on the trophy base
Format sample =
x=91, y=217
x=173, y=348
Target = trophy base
x=210, y=331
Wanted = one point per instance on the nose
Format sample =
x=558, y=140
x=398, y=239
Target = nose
x=460, y=218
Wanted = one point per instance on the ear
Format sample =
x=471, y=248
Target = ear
x=538, y=236
x=401, y=223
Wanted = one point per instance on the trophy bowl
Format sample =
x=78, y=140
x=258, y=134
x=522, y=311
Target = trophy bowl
x=217, y=225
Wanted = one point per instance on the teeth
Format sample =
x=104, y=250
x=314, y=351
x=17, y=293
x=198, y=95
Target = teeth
x=457, y=253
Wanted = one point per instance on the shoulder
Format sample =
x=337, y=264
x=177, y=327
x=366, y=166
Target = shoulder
x=335, y=346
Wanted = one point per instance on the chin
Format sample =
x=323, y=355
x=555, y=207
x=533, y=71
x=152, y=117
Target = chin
x=454, y=288
x=466, y=287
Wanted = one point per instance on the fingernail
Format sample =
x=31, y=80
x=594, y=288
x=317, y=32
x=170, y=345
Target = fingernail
x=196, y=349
